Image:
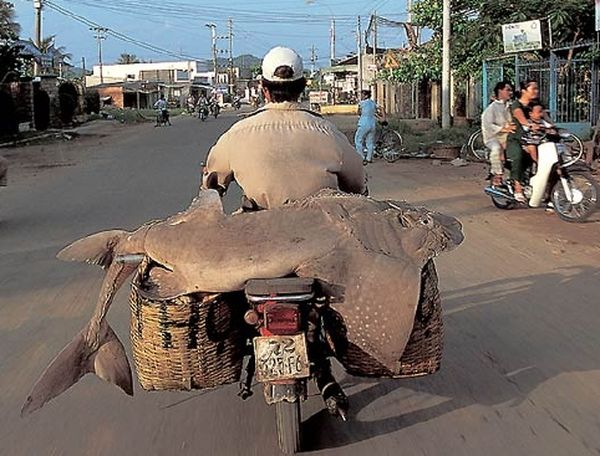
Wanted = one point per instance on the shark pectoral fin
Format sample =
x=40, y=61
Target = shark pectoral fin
x=164, y=284
x=110, y=362
x=77, y=359
x=94, y=249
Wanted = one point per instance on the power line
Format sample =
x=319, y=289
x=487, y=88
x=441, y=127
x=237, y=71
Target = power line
x=116, y=34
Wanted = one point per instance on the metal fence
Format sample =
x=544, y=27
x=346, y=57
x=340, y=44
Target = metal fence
x=568, y=88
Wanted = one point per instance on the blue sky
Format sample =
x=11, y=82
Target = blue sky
x=179, y=25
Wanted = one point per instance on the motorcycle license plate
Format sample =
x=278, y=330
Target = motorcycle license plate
x=281, y=358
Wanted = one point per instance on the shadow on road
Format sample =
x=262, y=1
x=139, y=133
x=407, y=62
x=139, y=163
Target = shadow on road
x=503, y=340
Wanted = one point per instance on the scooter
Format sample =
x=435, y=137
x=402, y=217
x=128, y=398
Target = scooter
x=559, y=179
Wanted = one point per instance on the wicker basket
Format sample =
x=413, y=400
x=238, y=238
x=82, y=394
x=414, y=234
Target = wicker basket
x=445, y=151
x=185, y=343
x=423, y=352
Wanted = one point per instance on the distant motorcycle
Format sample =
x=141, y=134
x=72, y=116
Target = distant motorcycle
x=215, y=109
x=3, y=171
x=203, y=112
x=237, y=104
x=565, y=181
x=162, y=118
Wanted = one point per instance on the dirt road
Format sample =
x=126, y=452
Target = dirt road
x=521, y=369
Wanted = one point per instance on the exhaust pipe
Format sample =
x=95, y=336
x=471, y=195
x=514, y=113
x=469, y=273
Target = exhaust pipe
x=497, y=193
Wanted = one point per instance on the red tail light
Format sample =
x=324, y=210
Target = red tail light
x=282, y=318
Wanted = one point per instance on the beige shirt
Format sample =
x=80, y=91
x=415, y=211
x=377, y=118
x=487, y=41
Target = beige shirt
x=283, y=153
x=493, y=120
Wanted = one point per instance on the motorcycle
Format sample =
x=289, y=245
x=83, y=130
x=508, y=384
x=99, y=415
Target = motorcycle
x=162, y=118
x=565, y=181
x=237, y=104
x=203, y=112
x=288, y=348
x=215, y=109
x=3, y=171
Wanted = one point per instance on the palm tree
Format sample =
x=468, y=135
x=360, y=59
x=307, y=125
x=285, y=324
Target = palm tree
x=127, y=58
x=8, y=27
x=9, y=32
x=58, y=54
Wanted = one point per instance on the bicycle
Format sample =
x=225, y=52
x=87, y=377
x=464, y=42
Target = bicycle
x=474, y=148
x=388, y=143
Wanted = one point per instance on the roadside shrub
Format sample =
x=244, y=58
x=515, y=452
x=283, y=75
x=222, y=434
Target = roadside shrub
x=68, y=101
x=91, y=102
x=8, y=115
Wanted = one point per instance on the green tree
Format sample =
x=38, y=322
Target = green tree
x=59, y=54
x=9, y=32
x=127, y=58
x=477, y=32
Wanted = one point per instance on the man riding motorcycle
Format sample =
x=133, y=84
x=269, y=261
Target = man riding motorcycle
x=163, y=112
x=282, y=153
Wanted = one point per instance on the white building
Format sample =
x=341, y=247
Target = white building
x=167, y=72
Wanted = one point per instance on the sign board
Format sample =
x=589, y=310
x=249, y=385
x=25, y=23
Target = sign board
x=522, y=36
x=598, y=15
x=320, y=97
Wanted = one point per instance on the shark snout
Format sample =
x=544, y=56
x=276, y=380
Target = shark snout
x=451, y=228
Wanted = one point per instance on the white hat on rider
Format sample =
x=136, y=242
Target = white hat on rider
x=282, y=56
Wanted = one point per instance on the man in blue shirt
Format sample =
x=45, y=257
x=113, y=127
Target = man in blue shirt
x=367, y=123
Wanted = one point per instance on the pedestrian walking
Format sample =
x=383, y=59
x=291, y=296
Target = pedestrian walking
x=367, y=125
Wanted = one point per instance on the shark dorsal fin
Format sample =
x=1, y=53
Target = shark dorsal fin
x=207, y=205
x=209, y=201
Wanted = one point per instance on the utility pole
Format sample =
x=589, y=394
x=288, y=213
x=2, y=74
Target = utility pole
x=213, y=29
x=83, y=75
x=374, y=28
x=313, y=59
x=100, y=35
x=332, y=42
x=230, y=39
x=446, y=64
x=359, y=55
x=37, y=4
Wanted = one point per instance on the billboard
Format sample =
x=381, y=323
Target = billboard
x=522, y=36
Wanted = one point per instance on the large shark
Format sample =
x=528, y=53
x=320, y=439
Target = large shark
x=367, y=254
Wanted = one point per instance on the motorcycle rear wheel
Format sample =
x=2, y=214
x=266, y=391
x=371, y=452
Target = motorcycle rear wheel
x=586, y=192
x=288, y=426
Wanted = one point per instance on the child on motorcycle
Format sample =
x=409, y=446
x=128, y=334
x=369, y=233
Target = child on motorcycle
x=538, y=128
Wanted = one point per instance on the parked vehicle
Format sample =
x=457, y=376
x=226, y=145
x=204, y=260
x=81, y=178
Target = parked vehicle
x=560, y=178
x=285, y=317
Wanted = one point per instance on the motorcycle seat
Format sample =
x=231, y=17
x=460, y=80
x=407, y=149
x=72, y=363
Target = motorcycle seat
x=277, y=287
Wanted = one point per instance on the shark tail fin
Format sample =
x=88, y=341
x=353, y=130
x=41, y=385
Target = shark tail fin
x=95, y=249
x=107, y=360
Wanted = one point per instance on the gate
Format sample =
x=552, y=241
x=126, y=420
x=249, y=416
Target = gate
x=569, y=89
